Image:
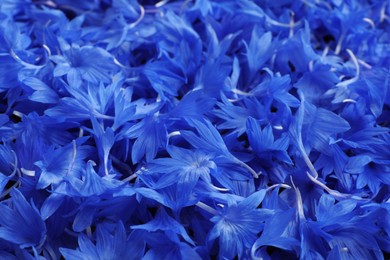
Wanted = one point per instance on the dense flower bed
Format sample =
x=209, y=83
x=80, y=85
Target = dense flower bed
x=194, y=129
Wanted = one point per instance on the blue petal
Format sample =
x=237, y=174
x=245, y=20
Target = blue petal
x=82, y=220
x=163, y=221
x=259, y=49
x=22, y=225
x=151, y=136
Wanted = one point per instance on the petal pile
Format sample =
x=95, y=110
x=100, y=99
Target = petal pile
x=198, y=129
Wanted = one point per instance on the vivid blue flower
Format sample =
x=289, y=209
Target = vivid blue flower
x=259, y=50
x=211, y=141
x=318, y=125
x=90, y=184
x=315, y=83
x=168, y=247
x=111, y=243
x=235, y=116
x=276, y=87
x=12, y=37
x=279, y=231
x=21, y=223
x=335, y=162
x=184, y=168
x=6, y=171
x=208, y=139
x=213, y=83
x=124, y=110
x=42, y=92
x=373, y=87
x=194, y=129
x=165, y=76
x=193, y=105
x=93, y=100
x=237, y=226
x=296, y=53
x=168, y=197
x=368, y=172
x=178, y=38
x=263, y=143
x=350, y=238
x=150, y=135
x=9, y=73
x=58, y=163
x=162, y=221
x=89, y=63
x=43, y=129
x=104, y=139
x=364, y=128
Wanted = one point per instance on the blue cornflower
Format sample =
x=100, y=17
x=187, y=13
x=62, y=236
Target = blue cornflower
x=104, y=139
x=21, y=223
x=162, y=221
x=237, y=226
x=263, y=143
x=184, y=168
x=89, y=63
x=42, y=92
x=111, y=243
x=210, y=140
x=368, y=172
x=165, y=246
x=259, y=50
x=151, y=135
x=93, y=100
x=6, y=171
x=165, y=76
x=235, y=116
x=138, y=129
x=58, y=163
x=90, y=184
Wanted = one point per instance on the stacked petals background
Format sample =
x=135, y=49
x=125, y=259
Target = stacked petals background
x=194, y=129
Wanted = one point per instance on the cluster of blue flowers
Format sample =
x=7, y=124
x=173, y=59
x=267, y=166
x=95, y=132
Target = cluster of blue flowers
x=194, y=129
